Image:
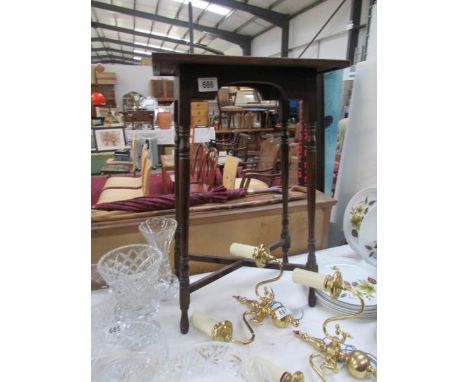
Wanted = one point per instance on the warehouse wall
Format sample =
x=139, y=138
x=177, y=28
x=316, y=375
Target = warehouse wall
x=332, y=41
x=132, y=78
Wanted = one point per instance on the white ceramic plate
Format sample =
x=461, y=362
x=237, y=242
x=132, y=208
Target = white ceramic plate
x=368, y=237
x=354, y=214
x=359, y=274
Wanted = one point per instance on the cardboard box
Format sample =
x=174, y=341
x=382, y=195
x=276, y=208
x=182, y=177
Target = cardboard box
x=146, y=61
x=106, y=76
x=106, y=82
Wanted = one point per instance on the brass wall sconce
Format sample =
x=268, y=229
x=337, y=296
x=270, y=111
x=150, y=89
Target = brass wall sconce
x=265, y=306
x=220, y=331
x=358, y=362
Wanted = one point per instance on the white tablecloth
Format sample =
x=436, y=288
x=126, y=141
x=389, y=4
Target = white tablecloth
x=277, y=345
x=167, y=136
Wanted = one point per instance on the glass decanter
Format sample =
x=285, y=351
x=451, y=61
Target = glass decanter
x=158, y=232
x=133, y=273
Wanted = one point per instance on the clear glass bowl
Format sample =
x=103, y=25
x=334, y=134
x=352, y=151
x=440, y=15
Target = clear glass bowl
x=213, y=362
x=134, y=351
x=133, y=273
x=159, y=232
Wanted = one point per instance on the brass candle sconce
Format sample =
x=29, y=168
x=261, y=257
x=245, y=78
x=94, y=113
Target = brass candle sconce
x=332, y=352
x=265, y=306
x=220, y=331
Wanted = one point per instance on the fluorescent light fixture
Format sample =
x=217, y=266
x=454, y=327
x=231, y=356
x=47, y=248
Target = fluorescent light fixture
x=157, y=47
x=157, y=34
x=206, y=5
x=136, y=58
x=141, y=52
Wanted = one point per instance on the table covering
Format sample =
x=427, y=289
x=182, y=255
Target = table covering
x=167, y=136
x=276, y=345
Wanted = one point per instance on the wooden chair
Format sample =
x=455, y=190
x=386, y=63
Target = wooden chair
x=226, y=106
x=128, y=181
x=167, y=164
x=207, y=172
x=259, y=172
x=238, y=146
x=230, y=172
x=120, y=167
x=115, y=194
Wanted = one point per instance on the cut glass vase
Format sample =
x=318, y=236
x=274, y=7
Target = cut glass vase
x=159, y=232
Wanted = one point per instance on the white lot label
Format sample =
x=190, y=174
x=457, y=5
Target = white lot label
x=209, y=84
x=282, y=312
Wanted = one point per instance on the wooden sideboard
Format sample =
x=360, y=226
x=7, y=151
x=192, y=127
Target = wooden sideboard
x=212, y=232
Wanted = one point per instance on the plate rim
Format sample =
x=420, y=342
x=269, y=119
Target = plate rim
x=351, y=240
x=362, y=250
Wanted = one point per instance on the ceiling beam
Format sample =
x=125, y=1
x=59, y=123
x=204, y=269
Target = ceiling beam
x=240, y=39
x=273, y=17
x=111, y=56
x=120, y=42
x=113, y=61
x=130, y=53
x=150, y=35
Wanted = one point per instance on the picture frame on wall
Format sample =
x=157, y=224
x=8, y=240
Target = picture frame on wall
x=109, y=138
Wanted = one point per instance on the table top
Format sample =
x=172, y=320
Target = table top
x=277, y=345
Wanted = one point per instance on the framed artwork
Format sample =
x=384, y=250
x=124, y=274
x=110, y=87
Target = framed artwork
x=103, y=111
x=109, y=138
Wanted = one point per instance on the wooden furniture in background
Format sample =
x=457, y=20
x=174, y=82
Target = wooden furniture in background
x=167, y=164
x=129, y=181
x=163, y=90
x=256, y=135
x=198, y=116
x=108, y=91
x=113, y=194
x=139, y=116
x=226, y=106
x=212, y=232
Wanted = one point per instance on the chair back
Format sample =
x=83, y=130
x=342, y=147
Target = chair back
x=209, y=166
x=198, y=159
x=268, y=156
x=146, y=176
x=143, y=157
x=224, y=98
x=230, y=172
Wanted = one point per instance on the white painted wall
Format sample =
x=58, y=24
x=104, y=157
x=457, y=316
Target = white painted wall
x=132, y=78
x=332, y=41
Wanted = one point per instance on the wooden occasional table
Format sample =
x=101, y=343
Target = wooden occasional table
x=275, y=78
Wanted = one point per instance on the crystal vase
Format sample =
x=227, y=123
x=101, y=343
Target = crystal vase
x=132, y=273
x=158, y=232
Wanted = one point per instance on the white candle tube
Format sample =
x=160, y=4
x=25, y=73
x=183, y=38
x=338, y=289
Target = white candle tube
x=242, y=250
x=275, y=371
x=203, y=322
x=309, y=278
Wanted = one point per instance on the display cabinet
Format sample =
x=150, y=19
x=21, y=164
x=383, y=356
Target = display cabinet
x=163, y=90
x=275, y=78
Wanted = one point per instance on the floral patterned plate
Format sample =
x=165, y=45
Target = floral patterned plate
x=355, y=212
x=357, y=274
x=368, y=237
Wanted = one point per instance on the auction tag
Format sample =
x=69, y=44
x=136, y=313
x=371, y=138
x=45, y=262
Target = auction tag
x=209, y=84
x=282, y=312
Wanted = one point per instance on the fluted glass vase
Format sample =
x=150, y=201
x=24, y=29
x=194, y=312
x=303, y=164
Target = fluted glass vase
x=159, y=233
x=133, y=273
